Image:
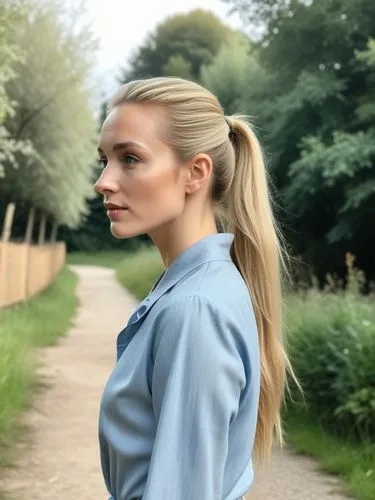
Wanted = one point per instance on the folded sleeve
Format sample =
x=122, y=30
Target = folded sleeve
x=197, y=379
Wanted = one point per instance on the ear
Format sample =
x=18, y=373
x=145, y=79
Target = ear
x=199, y=173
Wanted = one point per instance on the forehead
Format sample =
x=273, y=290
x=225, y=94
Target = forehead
x=135, y=122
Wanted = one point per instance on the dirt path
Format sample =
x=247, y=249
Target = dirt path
x=62, y=461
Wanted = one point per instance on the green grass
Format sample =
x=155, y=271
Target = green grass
x=354, y=463
x=139, y=271
x=38, y=322
x=136, y=271
x=110, y=258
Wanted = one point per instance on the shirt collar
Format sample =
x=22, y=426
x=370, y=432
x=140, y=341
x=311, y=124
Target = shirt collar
x=210, y=248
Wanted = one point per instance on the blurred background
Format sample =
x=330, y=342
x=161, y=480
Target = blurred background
x=304, y=71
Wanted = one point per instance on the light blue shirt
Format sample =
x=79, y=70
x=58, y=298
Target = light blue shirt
x=179, y=411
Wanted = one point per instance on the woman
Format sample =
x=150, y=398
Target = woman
x=200, y=370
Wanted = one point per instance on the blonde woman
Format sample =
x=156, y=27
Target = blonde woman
x=200, y=372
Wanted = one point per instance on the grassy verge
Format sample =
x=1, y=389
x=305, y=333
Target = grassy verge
x=136, y=271
x=139, y=271
x=38, y=322
x=354, y=463
x=104, y=258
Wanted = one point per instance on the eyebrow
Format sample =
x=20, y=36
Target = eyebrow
x=124, y=145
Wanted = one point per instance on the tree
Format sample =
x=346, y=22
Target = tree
x=340, y=169
x=178, y=65
x=54, y=113
x=226, y=76
x=259, y=15
x=9, y=55
x=179, y=46
x=314, y=104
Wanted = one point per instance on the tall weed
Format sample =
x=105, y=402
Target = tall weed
x=331, y=336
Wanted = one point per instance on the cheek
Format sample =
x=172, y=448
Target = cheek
x=155, y=197
x=162, y=189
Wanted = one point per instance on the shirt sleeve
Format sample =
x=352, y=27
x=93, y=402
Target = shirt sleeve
x=197, y=380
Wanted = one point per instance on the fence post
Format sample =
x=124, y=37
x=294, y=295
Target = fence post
x=53, y=246
x=30, y=225
x=7, y=230
x=54, y=232
x=42, y=229
x=28, y=236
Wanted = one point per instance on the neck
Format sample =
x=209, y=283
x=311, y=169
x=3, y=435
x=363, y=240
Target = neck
x=182, y=233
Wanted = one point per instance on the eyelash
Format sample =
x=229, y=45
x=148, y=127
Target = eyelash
x=133, y=158
x=124, y=160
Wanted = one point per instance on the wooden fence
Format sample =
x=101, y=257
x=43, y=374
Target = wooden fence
x=25, y=268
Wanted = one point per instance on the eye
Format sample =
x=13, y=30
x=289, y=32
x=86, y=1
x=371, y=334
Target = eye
x=129, y=159
x=103, y=161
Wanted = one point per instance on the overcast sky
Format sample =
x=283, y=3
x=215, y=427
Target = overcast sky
x=121, y=25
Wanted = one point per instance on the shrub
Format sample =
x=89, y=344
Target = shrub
x=331, y=336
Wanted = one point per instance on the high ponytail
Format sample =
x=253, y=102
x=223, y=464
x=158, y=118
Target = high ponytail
x=196, y=124
x=257, y=253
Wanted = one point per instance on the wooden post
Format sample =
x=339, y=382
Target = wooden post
x=4, y=274
x=53, y=247
x=42, y=229
x=54, y=232
x=28, y=236
x=7, y=229
x=30, y=226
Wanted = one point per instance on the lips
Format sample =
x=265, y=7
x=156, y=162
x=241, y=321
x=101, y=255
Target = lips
x=115, y=212
x=112, y=206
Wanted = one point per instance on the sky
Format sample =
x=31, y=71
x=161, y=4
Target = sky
x=122, y=25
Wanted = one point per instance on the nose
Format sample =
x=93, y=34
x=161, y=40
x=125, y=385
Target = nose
x=106, y=183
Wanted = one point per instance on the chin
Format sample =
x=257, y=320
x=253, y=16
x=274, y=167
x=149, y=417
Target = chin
x=124, y=233
x=120, y=233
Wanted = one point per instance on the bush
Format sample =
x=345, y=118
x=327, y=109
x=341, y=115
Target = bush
x=331, y=336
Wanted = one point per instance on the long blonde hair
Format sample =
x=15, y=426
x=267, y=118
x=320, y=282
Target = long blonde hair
x=196, y=124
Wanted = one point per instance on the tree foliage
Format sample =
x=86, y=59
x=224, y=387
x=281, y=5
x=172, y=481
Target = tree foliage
x=179, y=46
x=9, y=55
x=227, y=74
x=313, y=100
x=52, y=112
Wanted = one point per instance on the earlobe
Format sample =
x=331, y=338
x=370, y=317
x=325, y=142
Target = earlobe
x=199, y=173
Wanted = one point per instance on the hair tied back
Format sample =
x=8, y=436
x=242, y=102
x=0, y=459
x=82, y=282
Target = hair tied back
x=232, y=132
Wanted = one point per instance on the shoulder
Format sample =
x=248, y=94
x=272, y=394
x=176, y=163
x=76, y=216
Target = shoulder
x=218, y=288
x=194, y=309
x=196, y=324
x=194, y=333
x=223, y=284
x=190, y=319
x=211, y=306
x=217, y=282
